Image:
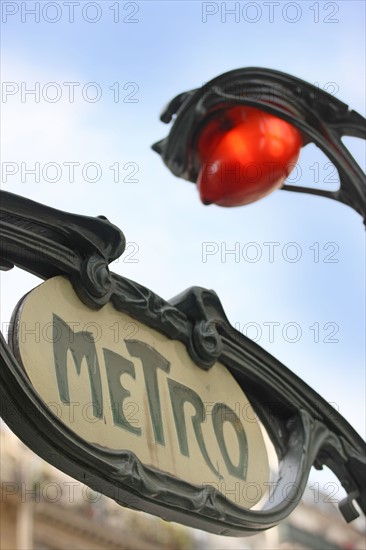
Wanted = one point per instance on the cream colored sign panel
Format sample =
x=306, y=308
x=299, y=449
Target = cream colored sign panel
x=121, y=385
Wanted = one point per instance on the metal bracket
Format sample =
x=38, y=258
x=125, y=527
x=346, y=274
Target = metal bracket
x=321, y=118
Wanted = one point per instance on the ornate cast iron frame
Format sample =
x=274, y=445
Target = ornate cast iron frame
x=321, y=118
x=304, y=429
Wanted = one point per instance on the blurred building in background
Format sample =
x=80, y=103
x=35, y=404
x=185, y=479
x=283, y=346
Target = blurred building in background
x=41, y=508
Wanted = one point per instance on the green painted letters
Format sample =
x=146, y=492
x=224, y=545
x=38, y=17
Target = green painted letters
x=179, y=395
x=81, y=344
x=222, y=413
x=116, y=365
x=151, y=361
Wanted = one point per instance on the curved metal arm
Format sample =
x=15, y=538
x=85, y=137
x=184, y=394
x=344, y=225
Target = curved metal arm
x=48, y=242
x=322, y=119
x=305, y=430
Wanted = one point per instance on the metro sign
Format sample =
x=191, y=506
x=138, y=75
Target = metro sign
x=140, y=392
x=160, y=405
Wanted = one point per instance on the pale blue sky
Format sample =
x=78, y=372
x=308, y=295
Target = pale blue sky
x=169, y=50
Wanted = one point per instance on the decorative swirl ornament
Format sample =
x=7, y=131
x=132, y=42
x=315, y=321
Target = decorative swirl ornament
x=207, y=343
